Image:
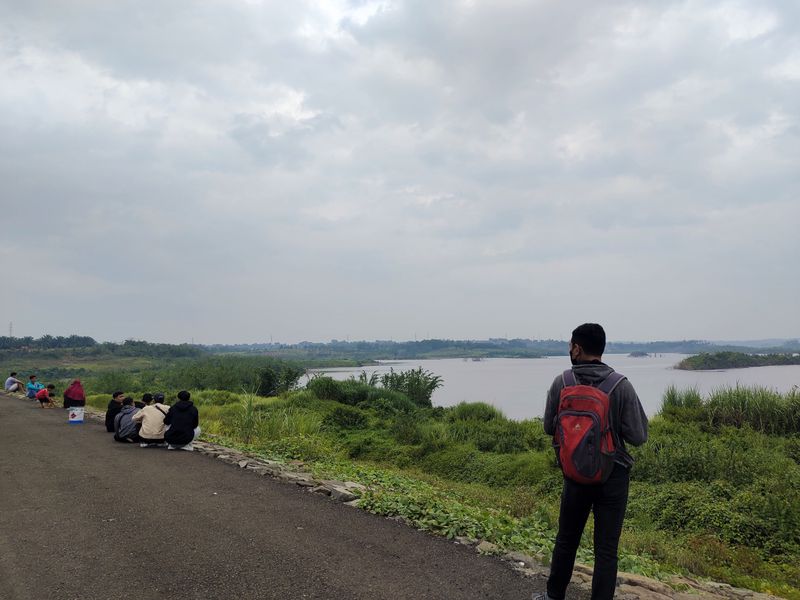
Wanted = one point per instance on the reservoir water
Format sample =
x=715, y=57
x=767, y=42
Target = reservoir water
x=518, y=386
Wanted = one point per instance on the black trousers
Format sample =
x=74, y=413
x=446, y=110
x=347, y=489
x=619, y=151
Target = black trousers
x=608, y=502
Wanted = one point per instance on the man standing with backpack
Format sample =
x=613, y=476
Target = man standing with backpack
x=591, y=412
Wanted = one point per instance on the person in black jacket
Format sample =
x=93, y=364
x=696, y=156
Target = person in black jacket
x=182, y=422
x=114, y=406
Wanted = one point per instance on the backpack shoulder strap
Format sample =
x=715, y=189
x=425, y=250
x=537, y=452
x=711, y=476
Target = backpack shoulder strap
x=568, y=377
x=161, y=411
x=611, y=382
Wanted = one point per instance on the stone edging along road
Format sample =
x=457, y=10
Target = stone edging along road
x=629, y=586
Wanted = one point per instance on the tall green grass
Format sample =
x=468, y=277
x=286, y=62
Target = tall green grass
x=762, y=409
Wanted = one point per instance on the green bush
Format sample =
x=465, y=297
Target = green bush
x=417, y=384
x=214, y=397
x=114, y=381
x=289, y=422
x=387, y=403
x=354, y=392
x=350, y=391
x=345, y=417
x=406, y=429
x=465, y=463
x=475, y=411
x=325, y=388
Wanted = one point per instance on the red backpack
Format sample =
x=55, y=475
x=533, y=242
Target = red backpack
x=583, y=440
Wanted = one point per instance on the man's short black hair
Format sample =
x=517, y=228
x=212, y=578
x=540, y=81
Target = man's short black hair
x=591, y=337
x=147, y=398
x=50, y=386
x=184, y=395
x=13, y=373
x=32, y=377
x=116, y=394
x=127, y=402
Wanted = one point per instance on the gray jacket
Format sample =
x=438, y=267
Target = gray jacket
x=124, y=426
x=628, y=421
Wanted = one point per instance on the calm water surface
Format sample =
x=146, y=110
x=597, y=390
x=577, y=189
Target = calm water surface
x=518, y=385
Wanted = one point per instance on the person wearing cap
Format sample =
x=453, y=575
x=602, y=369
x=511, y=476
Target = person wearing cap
x=151, y=433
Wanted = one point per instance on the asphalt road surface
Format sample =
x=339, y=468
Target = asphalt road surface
x=85, y=518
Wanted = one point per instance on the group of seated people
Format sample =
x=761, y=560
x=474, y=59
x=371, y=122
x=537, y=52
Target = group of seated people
x=33, y=390
x=152, y=423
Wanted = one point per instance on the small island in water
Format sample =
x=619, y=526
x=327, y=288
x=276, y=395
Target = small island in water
x=638, y=354
x=736, y=360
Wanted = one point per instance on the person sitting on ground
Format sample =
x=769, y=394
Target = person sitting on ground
x=13, y=384
x=145, y=401
x=45, y=395
x=74, y=395
x=183, y=420
x=126, y=430
x=152, y=419
x=33, y=387
x=114, y=406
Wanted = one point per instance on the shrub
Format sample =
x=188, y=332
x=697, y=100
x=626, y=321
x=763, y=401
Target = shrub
x=490, y=431
x=475, y=411
x=113, y=381
x=465, y=463
x=247, y=420
x=325, y=388
x=405, y=429
x=289, y=422
x=349, y=391
x=345, y=417
x=762, y=409
x=214, y=397
x=417, y=384
x=353, y=391
x=387, y=403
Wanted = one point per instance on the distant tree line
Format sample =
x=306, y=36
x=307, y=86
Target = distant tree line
x=365, y=351
x=46, y=342
x=736, y=360
x=87, y=346
x=495, y=347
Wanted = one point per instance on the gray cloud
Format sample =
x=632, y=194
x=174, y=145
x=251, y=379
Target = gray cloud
x=232, y=171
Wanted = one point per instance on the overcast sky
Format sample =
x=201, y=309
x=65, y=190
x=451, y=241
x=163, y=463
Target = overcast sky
x=230, y=171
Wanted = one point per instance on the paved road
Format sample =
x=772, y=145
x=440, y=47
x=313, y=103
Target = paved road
x=84, y=518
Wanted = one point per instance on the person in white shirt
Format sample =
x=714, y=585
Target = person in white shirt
x=13, y=384
x=152, y=419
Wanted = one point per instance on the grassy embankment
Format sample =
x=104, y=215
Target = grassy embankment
x=714, y=492
x=736, y=360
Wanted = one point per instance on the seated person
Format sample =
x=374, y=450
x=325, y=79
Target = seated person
x=183, y=420
x=45, y=395
x=32, y=387
x=114, y=406
x=152, y=419
x=74, y=395
x=13, y=384
x=126, y=430
x=145, y=401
